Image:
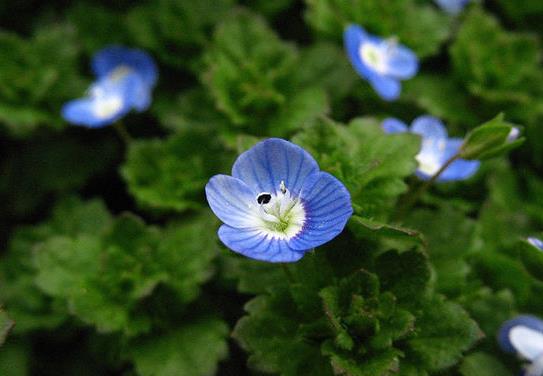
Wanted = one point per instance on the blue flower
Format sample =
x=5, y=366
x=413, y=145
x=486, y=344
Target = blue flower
x=523, y=335
x=381, y=62
x=437, y=148
x=452, y=6
x=536, y=242
x=277, y=204
x=125, y=79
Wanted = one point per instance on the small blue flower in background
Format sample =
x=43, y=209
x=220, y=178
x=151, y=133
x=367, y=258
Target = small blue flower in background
x=452, y=6
x=536, y=242
x=513, y=134
x=277, y=204
x=382, y=62
x=125, y=79
x=437, y=148
x=523, y=336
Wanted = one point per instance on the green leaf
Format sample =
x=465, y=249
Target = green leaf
x=444, y=332
x=14, y=360
x=195, y=348
x=38, y=75
x=450, y=236
x=369, y=162
x=483, y=364
x=170, y=174
x=370, y=229
x=495, y=64
x=489, y=140
x=252, y=76
x=103, y=269
x=421, y=27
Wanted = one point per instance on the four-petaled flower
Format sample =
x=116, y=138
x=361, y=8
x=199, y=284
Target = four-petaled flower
x=437, y=148
x=277, y=204
x=523, y=335
x=452, y=6
x=383, y=62
x=125, y=79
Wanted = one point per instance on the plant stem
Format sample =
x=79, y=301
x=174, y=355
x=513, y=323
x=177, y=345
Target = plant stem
x=413, y=198
x=287, y=273
x=123, y=133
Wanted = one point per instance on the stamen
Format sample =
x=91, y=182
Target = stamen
x=263, y=198
x=282, y=187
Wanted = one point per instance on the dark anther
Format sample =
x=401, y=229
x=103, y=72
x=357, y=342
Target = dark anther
x=263, y=198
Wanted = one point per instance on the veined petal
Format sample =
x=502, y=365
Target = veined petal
x=112, y=57
x=81, y=112
x=327, y=204
x=402, y=63
x=392, y=125
x=522, y=335
x=429, y=127
x=255, y=244
x=353, y=37
x=269, y=162
x=232, y=201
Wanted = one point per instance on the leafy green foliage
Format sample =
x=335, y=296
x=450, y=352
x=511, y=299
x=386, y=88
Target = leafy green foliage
x=130, y=278
x=193, y=349
x=170, y=174
x=421, y=27
x=38, y=75
x=370, y=163
x=250, y=73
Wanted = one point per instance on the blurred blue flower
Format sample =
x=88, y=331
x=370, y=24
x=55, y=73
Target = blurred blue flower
x=382, y=62
x=277, y=204
x=523, y=335
x=513, y=134
x=536, y=242
x=125, y=79
x=437, y=148
x=452, y=6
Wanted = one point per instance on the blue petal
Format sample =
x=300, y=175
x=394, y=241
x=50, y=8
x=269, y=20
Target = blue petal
x=269, y=162
x=109, y=58
x=138, y=94
x=327, y=205
x=387, y=88
x=256, y=245
x=528, y=321
x=535, y=242
x=452, y=6
x=429, y=127
x=403, y=63
x=231, y=200
x=392, y=125
x=80, y=112
x=460, y=169
x=353, y=37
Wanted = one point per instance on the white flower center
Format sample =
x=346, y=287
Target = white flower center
x=536, y=368
x=119, y=73
x=279, y=214
x=376, y=55
x=527, y=342
x=429, y=157
x=105, y=104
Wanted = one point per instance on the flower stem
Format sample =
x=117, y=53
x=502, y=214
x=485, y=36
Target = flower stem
x=414, y=197
x=122, y=132
x=287, y=273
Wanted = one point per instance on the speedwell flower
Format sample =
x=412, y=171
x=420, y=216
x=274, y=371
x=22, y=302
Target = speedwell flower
x=452, y=6
x=437, y=148
x=523, y=335
x=382, y=62
x=125, y=79
x=277, y=204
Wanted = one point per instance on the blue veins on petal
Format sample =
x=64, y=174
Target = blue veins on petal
x=277, y=204
x=436, y=149
x=382, y=62
x=523, y=335
x=125, y=79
